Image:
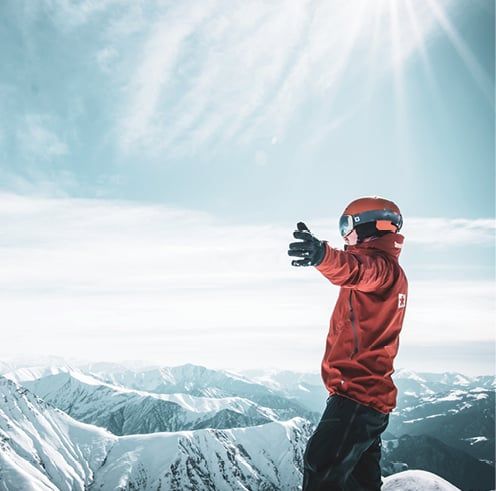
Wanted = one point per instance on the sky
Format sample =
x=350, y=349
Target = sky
x=156, y=156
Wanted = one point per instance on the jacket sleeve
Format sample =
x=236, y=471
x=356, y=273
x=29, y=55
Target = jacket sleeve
x=357, y=271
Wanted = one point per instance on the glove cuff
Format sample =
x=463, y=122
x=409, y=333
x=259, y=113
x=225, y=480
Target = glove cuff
x=323, y=250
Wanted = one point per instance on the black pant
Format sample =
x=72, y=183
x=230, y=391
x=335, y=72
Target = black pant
x=344, y=452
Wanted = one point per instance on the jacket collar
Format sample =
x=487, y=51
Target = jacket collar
x=389, y=243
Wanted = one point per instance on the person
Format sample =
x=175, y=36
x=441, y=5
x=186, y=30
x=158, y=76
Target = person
x=344, y=451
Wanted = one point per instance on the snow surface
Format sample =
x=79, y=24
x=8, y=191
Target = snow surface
x=476, y=439
x=416, y=480
x=454, y=395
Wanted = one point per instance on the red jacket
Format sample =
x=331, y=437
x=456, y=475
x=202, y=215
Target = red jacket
x=366, y=322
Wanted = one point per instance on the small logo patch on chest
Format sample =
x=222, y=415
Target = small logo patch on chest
x=401, y=300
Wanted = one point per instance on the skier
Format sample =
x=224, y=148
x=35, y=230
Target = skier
x=344, y=451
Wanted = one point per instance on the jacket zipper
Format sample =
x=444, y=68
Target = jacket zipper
x=353, y=326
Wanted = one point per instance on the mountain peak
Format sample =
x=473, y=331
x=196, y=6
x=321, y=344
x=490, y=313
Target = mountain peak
x=405, y=373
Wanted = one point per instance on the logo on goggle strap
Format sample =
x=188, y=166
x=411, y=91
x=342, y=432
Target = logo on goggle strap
x=401, y=300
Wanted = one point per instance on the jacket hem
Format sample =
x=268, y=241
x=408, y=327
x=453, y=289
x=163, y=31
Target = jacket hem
x=371, y=406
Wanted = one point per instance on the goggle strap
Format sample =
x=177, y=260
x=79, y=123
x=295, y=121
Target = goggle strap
x=385, y=225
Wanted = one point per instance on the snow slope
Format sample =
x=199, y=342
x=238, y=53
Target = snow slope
x=41, y=448
x=261, y=457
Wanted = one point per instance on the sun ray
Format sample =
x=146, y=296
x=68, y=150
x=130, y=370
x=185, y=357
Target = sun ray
x=397, y=64
x=374, y=47
x=480, y=77
x=420, y=44
x=333, y=76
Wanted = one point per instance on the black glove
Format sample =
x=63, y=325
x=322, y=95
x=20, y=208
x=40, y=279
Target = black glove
x=312, y=249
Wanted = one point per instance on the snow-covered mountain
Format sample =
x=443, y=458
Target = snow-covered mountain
x=308, y=389
x=41, y=448
x=295, y=391
x=200, y=381
x=196, y=381
x=305, y=388
x=29, y=374
x=257, y=458
x=188, y=379
x=461, y=417
x=456, y=411
x=431, y=454
x=127, y=411
x=416, y=384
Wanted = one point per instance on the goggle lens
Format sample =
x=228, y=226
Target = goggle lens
x=345, y=225
x=347, y=222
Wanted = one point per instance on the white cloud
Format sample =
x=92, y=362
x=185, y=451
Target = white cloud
x=39, y=181
x=261, y=158
x=450, y=311
x=106, y=57
x=69, y=14
x=38, y=138
x=113, y=280
x=450, y=231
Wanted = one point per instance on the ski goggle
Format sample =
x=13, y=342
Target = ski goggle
x=385, y=220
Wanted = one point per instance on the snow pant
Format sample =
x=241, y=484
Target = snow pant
x=344, y=452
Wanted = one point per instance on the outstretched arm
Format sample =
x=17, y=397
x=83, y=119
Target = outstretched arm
x=358, y=271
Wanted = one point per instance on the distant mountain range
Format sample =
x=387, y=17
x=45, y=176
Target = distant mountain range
x=125, y=411
x=453, y=408
x=440, y=418
x=203, y=382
